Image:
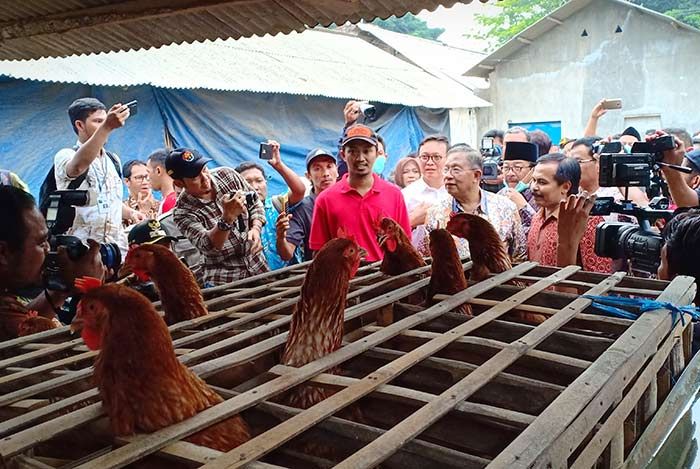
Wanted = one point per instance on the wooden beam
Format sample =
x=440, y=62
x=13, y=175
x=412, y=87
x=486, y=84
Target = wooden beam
x=147, y=444
x=560, y=422
x=387, y=444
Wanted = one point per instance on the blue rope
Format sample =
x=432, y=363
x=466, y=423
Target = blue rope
x=610, y=306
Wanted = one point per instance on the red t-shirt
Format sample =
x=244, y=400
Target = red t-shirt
x=168, y=203
x=342, y=206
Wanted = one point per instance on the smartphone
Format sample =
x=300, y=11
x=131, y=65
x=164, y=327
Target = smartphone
x=133, y=107
x=265, y=151
x=612, y=103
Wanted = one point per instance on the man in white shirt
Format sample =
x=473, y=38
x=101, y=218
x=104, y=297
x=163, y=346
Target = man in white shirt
x=102, y=220
x=426, y=191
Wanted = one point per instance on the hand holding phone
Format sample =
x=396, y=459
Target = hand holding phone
x=265, y=151
x=133, y=107
x=615, y=103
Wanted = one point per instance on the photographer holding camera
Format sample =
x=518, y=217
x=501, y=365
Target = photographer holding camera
x=24, y=244
x=682, y=193
x=221, y=216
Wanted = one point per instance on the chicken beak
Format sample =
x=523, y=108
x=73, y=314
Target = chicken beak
x=363, y=253
x=125, y=270
x=76, y=325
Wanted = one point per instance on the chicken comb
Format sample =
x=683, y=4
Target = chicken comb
x=32, y=313
x=85, y=284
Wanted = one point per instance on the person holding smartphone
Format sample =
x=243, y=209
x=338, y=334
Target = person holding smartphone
x=93, y=123
x=254, y=174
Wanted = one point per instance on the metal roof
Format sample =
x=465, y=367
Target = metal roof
x=549, y=22
x=315, y=62
x=31, y=29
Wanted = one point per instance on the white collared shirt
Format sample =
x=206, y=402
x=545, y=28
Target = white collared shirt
x=419, y=192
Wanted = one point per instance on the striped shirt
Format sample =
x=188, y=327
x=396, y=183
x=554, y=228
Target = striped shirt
x=195, y=218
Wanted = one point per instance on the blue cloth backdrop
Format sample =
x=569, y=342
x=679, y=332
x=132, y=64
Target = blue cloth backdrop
x=226, y=126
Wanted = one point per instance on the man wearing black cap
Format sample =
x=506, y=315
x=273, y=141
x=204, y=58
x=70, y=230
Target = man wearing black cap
x=294, y=226
x=220, y=215
x=518, y=160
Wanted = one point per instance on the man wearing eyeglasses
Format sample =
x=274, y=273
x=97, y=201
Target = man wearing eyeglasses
x=426, y=191
x=462, y=176
x=582, y=151
x=518, y=162
x=141, y=201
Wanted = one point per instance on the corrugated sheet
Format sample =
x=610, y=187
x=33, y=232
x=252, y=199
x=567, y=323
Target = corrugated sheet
x=549, y=22
x=31, y=29
x=315, y=62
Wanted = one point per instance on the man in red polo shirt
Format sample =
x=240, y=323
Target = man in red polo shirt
x=359, y=199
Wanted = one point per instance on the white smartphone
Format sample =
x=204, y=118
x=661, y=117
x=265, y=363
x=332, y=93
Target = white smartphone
x=612, y=103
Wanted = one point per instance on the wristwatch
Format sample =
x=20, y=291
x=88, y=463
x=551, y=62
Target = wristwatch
x=222, y=225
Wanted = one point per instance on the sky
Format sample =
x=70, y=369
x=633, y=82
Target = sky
x=458, y=20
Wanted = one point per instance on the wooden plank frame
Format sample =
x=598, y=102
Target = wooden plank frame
x=594, y=412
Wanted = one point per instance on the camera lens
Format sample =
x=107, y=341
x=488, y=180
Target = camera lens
x=111, y=255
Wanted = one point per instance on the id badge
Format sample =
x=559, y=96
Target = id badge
x=102, y=205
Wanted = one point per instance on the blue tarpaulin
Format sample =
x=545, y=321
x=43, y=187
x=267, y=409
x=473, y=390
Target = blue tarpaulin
x=226, y=126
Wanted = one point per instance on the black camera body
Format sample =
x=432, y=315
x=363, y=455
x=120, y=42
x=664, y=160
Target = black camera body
x=61, y=202
x=636, y=243
x=633, y=169
x=491, y=168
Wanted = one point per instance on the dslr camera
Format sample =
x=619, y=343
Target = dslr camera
x=637, y=243
x=60, y=204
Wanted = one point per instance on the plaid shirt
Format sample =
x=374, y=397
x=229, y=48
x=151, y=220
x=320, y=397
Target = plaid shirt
x=196, y=218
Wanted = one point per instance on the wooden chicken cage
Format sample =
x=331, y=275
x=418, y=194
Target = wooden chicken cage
x=438, y=389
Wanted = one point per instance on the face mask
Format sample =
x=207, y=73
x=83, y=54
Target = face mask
x=627, y=148
x=521, y=186
x=379, y=164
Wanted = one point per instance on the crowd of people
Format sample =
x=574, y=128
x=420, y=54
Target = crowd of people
x=226, y=225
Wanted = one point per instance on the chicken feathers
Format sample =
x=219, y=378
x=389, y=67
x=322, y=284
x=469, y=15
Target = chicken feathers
x=447, y=273
x=488, y=252
x=142, y=384
x=180, y=295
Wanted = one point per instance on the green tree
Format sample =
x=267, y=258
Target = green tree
x=512, y=17
x=409, y=24
x=687, y=11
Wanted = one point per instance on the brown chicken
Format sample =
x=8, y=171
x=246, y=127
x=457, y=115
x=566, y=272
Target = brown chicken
x=34, y=323
x=317, y=322
x=399, y=254
x=488, y=252
x=180, y=295
x=447, y=272
x=142, y=384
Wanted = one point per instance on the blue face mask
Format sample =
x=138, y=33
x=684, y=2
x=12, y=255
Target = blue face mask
x=627, y=148
x=521, y=186
x=379, y=164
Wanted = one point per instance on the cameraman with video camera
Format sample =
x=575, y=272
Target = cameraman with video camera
x=24, y=244
x=682, y=194
x=220, y=214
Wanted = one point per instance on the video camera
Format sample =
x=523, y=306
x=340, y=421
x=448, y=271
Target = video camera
x=637, y=243
x=491, y=153
x=369, y=112
x=60, y=209
x=617, y=240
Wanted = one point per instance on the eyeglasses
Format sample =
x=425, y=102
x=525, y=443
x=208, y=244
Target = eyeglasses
x=436, y=157
x=456, y=170
x=590, y=160
x=140, y=178
x=516, y=168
